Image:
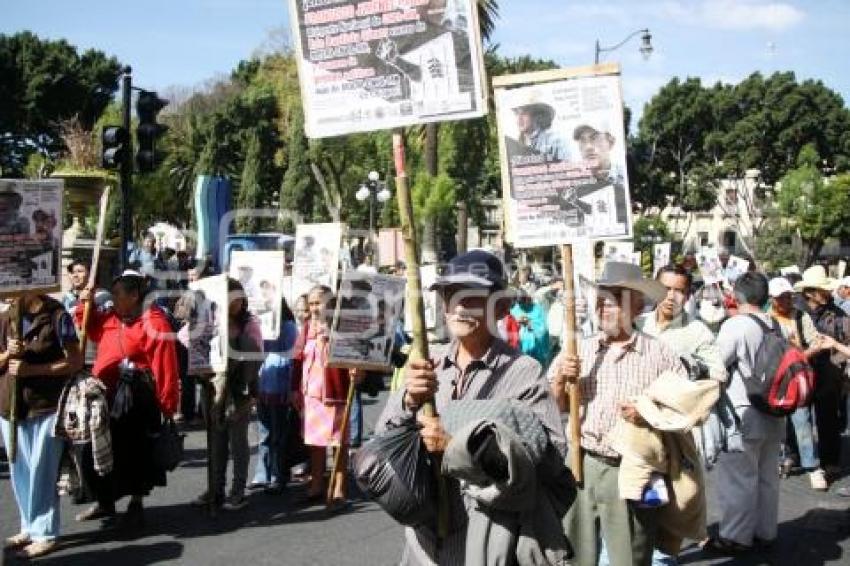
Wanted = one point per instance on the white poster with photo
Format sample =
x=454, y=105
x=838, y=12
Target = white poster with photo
x=208, y=332
x=842, y=269
x=30, y=235
x=636, y=258
x=789, y=270
x=261, y=275
x=366, y=66
x=735, y=267
x=709, y=266
x=368, y=308
x=660, y=256
x=622, y=251
x=563, y=153
x=317, y=254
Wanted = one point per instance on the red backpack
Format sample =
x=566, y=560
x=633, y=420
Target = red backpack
x=782, y=379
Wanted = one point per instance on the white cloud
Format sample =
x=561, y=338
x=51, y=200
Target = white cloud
x=731, y=14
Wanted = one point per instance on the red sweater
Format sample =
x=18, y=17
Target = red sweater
x=148, y=342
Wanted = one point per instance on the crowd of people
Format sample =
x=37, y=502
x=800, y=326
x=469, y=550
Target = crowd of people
x=663, y=371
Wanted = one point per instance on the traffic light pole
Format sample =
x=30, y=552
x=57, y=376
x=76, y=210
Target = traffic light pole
x=126, y=171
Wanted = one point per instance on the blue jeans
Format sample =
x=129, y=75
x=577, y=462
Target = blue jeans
x=806, y=444
x=272, y=426
x=34, y=475
x=355, y=421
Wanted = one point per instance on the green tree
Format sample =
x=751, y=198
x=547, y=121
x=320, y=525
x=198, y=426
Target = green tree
x=819, y=208
x=43, y=82
x=297, y=191
x=250, y=189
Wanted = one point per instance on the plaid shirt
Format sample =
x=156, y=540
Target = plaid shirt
x=613, y=374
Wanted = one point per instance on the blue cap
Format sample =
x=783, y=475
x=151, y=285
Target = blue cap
x=474, y=269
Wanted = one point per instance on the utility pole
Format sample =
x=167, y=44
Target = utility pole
x=126, y=171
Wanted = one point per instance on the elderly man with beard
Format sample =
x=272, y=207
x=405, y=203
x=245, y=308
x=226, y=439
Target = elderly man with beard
x=612, y=367
x=477, y=365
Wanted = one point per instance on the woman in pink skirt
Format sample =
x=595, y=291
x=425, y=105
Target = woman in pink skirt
x=324, y=392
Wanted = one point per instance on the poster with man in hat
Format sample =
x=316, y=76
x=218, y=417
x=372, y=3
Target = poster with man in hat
x=30, y=248
x=563, y=157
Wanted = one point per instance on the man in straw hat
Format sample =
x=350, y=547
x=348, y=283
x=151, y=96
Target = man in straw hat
x=830, y=366
x=477, y=365
x=612, y=367
x=534, y=122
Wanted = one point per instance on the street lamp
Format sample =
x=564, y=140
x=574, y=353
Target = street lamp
x=646, y=48
x=375, y=191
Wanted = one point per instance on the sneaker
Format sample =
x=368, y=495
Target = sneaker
x=818, y=480
x=235, y=502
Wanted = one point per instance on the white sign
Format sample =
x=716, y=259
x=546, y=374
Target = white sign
x=208, y=332
x=619, y=251
x=660, y=256
x=317, y=251
x=370, y=65
x=563, y=152
x=709, y=266
x=368, y=308
x=261, y=275
x=735, y=267
x=30, y=235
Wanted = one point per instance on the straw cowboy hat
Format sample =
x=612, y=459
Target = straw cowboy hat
x=815, y=278
x=618, y=274
x=671, y=403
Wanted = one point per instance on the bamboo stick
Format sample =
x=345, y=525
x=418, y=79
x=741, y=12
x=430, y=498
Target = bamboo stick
x=571, y=349
x=343, y=442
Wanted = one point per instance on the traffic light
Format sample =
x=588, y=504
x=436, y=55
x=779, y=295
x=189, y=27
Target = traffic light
x=113, y=146
x=148, y=131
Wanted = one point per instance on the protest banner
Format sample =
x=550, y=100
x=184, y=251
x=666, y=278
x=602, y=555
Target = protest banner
x=367, y=309
x=208, y=332
x=30, y=238
x=563, y=154
x=429, y=299
x=317, y=250
x=735, y=267
x=660, y=256
x=841, y=269
x=371, y=65
x=261, y=275
x=709, y=266
x=789, y=270
x=618, y=251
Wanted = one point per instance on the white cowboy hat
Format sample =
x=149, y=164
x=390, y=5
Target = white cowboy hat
x=815, y=277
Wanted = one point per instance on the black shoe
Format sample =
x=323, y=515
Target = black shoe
x=134, y=518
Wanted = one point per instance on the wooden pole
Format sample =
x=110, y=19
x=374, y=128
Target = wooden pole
x=343, y=441
x=571, y=349
x=16, y=315
x=95, y=261
x=416, y=309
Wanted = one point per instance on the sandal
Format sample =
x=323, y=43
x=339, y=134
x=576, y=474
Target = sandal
x=17, y=541
x=721, y=545
x=37, y=549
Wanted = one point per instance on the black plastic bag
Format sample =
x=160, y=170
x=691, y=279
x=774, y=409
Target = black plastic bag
x=168, y=446
x=395, y=470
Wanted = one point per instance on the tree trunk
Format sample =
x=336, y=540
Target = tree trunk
x=431, y=143
x=462, y=226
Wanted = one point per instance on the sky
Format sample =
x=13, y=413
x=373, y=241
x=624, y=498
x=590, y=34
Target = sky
x=185, y=43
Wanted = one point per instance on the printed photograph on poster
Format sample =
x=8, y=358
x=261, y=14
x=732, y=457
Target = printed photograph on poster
x=619, y=251
x=709, y=266
x=735, y=267
x=366, y=66
x=368, y=308
x=261, y=275
x=564, y=160
x=207, y=329
x=660, y=256
x=30, y=235
x=317, y=254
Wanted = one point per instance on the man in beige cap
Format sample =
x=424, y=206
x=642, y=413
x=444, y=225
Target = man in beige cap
x=830, y=366
x=612, y=368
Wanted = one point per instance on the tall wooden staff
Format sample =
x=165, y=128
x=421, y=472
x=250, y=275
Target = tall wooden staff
x=16, y=318
x=571, y=349
x=416, y=307
x=343, y=442
x=95, y=261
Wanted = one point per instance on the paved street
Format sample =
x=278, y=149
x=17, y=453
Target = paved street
x=814, y=529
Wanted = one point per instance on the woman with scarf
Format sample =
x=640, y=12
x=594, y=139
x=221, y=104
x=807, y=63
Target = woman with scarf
x=41, y=359
x=137, y=361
